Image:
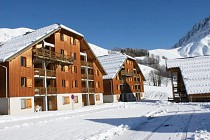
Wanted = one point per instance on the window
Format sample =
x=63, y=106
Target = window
x=63, y=83
x=62, y=68
x=62, y=52
x=76, y=99
x=97, y=97
x=23, y=82
x=74, y=84
x=26, y=103
x=61, y=37
x=66, y=100
x=23, y=61
x=74, y=69
x=74, y=41
x=75, y=56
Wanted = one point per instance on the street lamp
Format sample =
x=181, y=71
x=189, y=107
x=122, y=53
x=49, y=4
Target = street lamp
x=6, y=79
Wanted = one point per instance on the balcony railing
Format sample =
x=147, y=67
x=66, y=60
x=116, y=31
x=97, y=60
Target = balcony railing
x=135, y=74
x=89, y=76
x=42, y=90
x=137, y=82
x=122, y=81
x=85, y=90
x=123, y=72
x=41, y=72
x=50, y=55
x=88, y=64
x=137, y=90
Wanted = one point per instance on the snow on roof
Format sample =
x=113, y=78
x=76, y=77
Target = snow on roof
x=112, y=63
x=195, y=72
x=98, y=51
x=15, y=45
x=71, y=30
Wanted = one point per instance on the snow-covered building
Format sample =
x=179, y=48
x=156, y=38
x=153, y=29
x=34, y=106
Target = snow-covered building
x=51, y=68
x=190, y=78
x=124, y=80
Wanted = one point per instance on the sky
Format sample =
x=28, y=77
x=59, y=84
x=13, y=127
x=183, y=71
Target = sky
x=145, y=24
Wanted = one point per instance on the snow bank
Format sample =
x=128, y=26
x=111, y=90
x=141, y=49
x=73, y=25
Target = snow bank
x=157, y=93
x=109, y=134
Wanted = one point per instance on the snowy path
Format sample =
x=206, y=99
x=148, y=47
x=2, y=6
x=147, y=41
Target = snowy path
x=138, y=120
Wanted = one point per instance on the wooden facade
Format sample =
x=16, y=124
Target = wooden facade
x=128, y=84
x=51, y=67
x=178, y=87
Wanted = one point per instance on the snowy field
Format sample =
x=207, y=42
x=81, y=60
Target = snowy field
x=148, y=119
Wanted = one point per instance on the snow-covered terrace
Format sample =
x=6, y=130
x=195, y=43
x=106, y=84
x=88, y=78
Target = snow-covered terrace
x=195, y=72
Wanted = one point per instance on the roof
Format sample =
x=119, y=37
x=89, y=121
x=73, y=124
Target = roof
x=112, y=63
x=20, y=43
x=195, y=72
x=98, y=51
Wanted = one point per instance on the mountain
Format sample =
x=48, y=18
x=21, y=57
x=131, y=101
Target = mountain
x=6, y=34
x=197, y=40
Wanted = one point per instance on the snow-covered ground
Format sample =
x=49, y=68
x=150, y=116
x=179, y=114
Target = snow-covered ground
x=148, y=119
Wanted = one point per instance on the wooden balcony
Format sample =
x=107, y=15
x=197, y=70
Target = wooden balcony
x=85, y=90
x=42, y=90
x=89, y=76
x=136, y=74
x=122, y=81
x=53, y=56
x=41, y=72
x=137, y=90
x=125, y=73
x=88, y=64
x=137, y=82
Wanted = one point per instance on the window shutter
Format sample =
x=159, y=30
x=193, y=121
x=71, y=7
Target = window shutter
x=28, y=62
x=72, y=40
x=68, y=100
x=28, y=103
x=66, y=68
x=67, y=83
x=65, y=37
x=29, y=82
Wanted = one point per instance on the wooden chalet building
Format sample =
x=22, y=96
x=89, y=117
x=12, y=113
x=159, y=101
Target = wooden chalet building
x=124, y=80
x=190, y=78
x=48, y=69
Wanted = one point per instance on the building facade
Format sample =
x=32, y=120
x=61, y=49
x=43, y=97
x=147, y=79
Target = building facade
x=124, y=80
x=52, y=68
x=190, y=78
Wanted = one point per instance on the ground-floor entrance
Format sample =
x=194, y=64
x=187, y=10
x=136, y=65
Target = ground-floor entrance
x=91, y=99
x=39, y=103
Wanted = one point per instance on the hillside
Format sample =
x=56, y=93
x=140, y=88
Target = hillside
x=6, y=34
x=197, y=40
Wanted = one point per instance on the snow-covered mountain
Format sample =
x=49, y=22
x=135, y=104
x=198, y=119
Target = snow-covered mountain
x=6, y=34
x=197, y=40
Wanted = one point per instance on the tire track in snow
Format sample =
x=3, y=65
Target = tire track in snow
x=184, y=135
x=159, y=126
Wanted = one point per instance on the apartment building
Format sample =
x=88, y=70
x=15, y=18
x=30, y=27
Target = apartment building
x=190, y=78
x=51, y=68
x=124, y=80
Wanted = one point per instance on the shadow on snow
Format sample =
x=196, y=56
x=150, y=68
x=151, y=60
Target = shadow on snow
x=162, y=124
